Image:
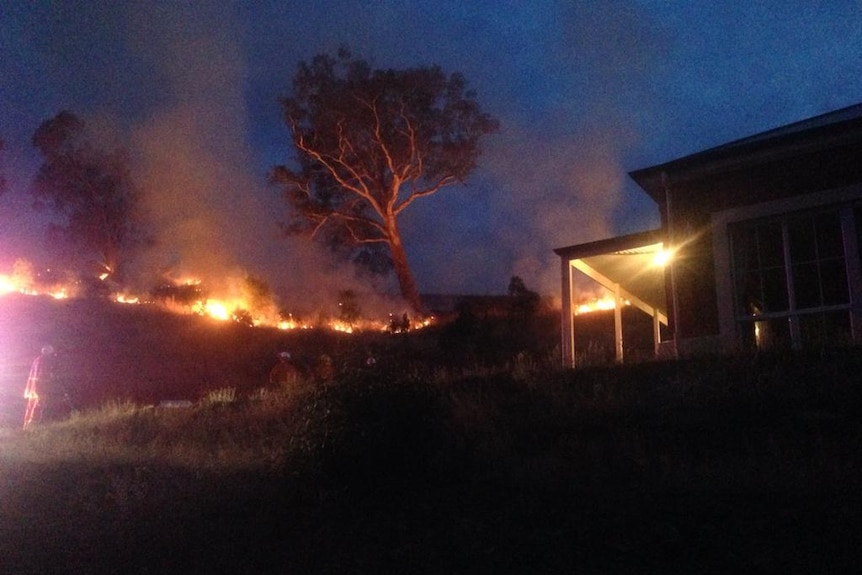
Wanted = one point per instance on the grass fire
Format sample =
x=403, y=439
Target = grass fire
x=251, y=302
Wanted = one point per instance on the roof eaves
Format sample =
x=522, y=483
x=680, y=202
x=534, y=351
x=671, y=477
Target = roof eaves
x=612, y=245
x=830, y=129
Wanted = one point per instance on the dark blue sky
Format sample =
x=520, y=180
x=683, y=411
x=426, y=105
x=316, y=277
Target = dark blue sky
x=585, y=92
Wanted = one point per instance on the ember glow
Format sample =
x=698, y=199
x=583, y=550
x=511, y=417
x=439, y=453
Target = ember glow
x=19, y=281
x=600, y=304
x=125, y=298
x=215, y=309
x=8, y=285
x=22, y=281
x=290, y=323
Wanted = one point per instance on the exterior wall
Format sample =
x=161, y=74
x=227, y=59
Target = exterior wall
x=691, y=275
x=846, y=200
x=701, y=210
x=694, y=285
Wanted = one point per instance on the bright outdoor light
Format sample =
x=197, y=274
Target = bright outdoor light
x=662, y=257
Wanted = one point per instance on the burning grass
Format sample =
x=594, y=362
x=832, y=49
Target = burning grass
x=247, y=300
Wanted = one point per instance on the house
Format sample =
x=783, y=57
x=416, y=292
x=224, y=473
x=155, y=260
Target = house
x=763, y=241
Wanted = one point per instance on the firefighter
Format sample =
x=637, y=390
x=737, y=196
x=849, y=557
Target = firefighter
x=38, y=392
x=284, y=372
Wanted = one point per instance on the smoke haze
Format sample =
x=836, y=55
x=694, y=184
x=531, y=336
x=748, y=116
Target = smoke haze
x=215, y=218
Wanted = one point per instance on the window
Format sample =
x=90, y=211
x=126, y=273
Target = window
x=790, y=279
x=758, y=256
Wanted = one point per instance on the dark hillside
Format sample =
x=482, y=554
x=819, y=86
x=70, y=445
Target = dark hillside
x=143, y=353
x=746, y=464
x=109, y=351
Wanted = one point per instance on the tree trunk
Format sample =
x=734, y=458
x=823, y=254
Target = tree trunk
x=409, y=290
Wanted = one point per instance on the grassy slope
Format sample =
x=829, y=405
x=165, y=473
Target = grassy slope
x=750, y=464
x=109, y=351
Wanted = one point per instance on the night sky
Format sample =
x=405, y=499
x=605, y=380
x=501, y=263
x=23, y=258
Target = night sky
x=585, y=92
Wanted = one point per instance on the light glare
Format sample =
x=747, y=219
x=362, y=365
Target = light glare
x=661, y=258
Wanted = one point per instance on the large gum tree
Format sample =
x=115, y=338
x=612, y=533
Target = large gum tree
x=369, y=143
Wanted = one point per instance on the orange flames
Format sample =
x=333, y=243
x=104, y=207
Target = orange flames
x=600, y=304
x=237, y=308
x=22, y=280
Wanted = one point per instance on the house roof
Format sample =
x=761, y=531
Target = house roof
x=844, y=114
x=612, y=245
x=832, y=129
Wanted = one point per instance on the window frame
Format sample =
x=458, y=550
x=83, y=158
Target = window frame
x=845, y=202
x=788, y=266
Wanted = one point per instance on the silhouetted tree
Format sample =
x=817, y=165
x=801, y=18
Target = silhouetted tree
x=371, y=142
x=90, y=187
